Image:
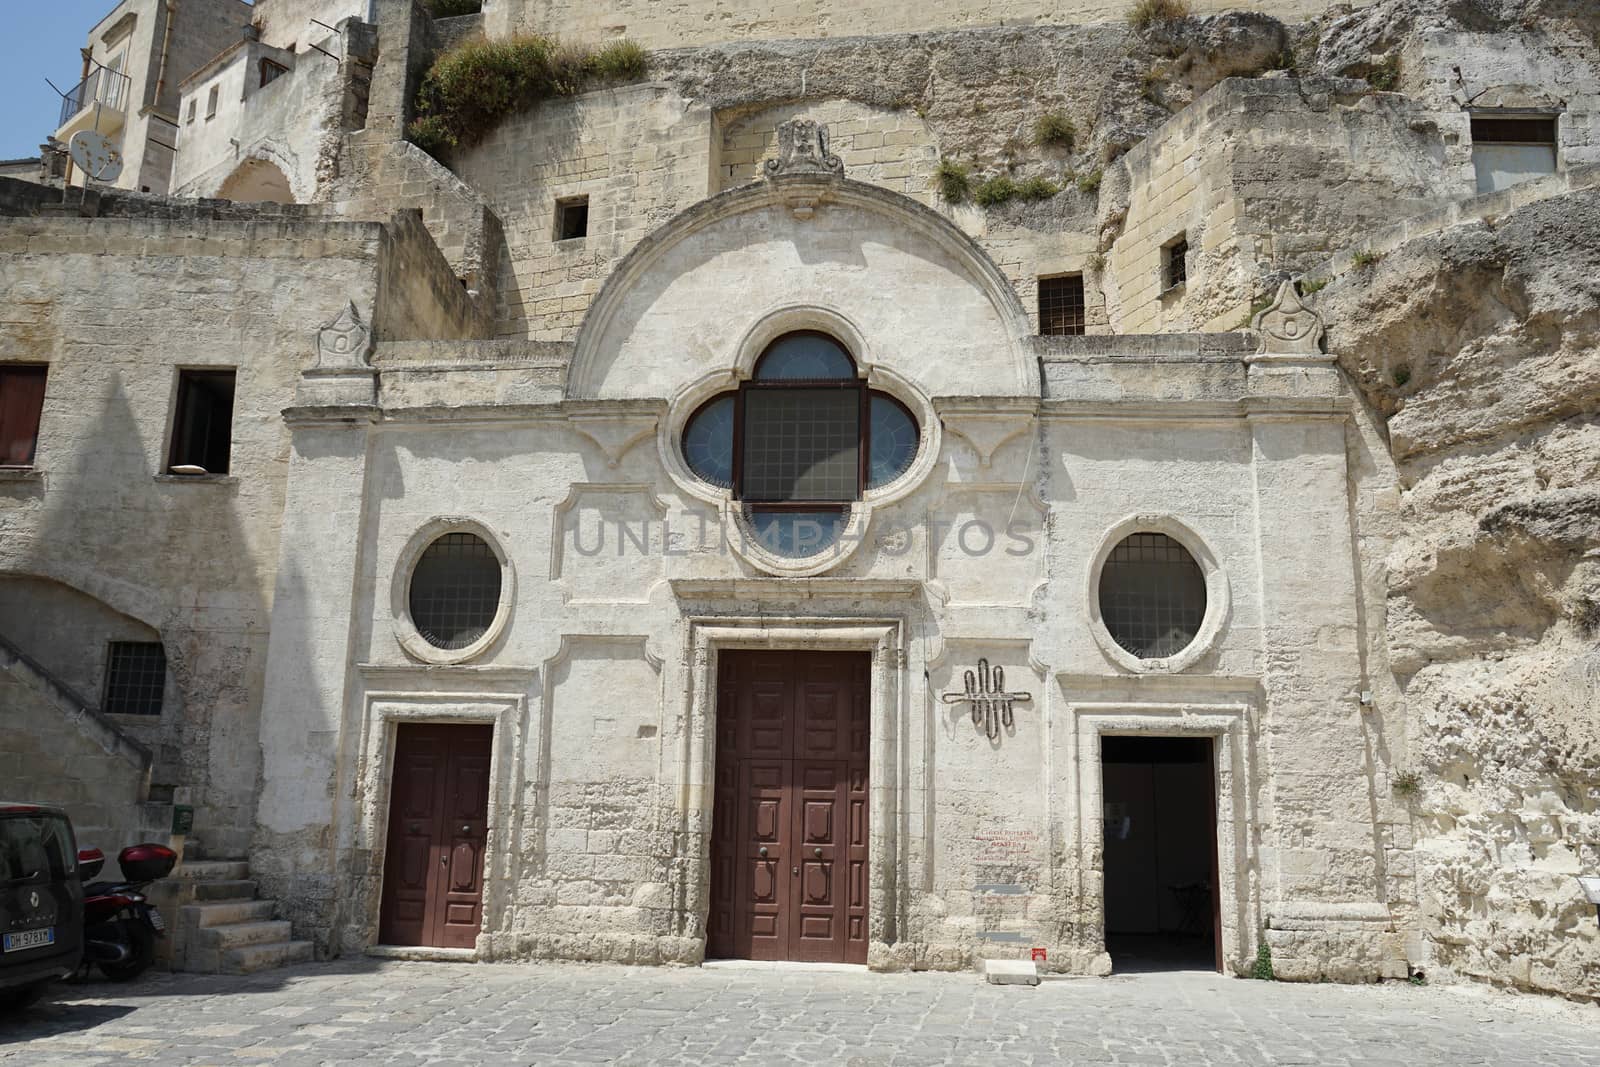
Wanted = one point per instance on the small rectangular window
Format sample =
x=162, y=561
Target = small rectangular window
x=1508, y=150
x=21, y=401
x=136, y=675
x=189, y=115
x=211, y=102
x=1061, y=306
x=202, y=427
x=1175, y=262
x=271, y=70
x=572, y=218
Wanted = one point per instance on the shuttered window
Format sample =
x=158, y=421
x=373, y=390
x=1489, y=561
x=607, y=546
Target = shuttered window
x=21, y=401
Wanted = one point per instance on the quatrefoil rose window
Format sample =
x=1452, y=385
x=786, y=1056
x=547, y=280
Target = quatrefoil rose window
x=800, y=442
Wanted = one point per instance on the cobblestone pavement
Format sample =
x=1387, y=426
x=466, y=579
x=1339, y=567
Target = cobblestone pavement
x=414, y=1014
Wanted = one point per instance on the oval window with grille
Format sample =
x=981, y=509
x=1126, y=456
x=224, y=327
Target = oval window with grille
x=455, y=591
x=1152, y=596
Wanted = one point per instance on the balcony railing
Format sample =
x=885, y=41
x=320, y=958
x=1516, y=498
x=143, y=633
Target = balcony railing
x=102, y=86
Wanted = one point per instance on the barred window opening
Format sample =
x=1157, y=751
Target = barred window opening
x=136, y=677
x=455, y=591
x=1061, y=306
x=1152, y=596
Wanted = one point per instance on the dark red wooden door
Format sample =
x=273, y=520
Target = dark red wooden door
x=789, y=832
x=438, y=821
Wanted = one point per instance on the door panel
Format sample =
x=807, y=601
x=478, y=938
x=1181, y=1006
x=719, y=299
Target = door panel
x=791, y=777
x=438, y=823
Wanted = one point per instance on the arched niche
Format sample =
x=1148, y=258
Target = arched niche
x=257, y=181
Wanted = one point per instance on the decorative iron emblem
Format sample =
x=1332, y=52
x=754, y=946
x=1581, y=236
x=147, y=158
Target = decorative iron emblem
x=987, y=699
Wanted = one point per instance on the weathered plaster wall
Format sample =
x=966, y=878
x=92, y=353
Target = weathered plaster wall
x=287, y=23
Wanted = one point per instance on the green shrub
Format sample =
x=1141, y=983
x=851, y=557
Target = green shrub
x=1365, y=258
x=1406, y=783
x=471, y=88
x=994, y=191
x=1090, y=182
x=1038, y=188
x=1263, y=968
x=1386, y=75
x=1054, y=130
x=1147, y=12
x=955, y=186
x=620, y=61
x=444, y=9
x=1313, y=285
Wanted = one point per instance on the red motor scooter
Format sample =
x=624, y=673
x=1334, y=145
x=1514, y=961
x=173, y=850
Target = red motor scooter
x=120, y=926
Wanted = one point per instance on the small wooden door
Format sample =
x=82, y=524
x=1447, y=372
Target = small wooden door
x=438, y=821
x=789, y=833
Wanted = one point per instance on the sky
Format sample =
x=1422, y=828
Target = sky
x=42, y=39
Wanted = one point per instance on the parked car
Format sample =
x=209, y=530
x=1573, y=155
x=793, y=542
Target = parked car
x=41, y=901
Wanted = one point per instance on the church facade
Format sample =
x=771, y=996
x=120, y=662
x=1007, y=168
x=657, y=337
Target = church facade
x=679, y=526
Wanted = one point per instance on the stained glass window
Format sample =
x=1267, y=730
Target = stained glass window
x=708, y=442
x=894, y=440
x=805, y=357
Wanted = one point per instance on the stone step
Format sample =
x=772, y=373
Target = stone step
x=237, y=935
x=249, y=958
x=224, y=912
x=225, y=889
x=214, y=871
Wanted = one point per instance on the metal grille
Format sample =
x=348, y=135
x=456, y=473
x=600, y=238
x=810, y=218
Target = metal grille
x=455, y=591
x=1177, y=264
x=136, y=675
x=801, y=444
x=1061, y=306
x=1152, y=596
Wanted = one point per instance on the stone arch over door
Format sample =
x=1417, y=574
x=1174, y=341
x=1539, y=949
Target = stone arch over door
x=926, y=302
x=257, y=181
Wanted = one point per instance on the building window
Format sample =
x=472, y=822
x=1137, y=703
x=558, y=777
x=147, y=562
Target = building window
x=1508, y=149
x=189, y=115
x=1175, y=262
x=202, y=427
x=211, y=101
x=800, y=442
x=270, y=71
x=455, y=591
x=1061, y=306
x=572, y=218
x=21, y=401
x=136, y=675
x=1152, y=596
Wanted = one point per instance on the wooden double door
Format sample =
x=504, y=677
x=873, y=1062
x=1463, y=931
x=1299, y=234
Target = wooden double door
x=438, y=822
x=789, y=832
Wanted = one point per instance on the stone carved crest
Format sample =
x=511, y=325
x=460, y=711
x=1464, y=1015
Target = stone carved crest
x=1289, y=325
x=803, y=149
x=343, y=344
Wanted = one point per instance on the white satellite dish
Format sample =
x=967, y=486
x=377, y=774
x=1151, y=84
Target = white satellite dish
x=95, y=155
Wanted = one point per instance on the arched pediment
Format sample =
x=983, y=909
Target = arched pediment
x=926, y=302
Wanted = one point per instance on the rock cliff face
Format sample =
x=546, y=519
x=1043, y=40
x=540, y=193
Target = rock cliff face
x=1480, y=346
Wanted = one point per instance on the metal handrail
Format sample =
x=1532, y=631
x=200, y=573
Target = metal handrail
x=103, y=86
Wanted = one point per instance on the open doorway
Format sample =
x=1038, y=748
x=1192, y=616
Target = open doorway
x=1160, y=853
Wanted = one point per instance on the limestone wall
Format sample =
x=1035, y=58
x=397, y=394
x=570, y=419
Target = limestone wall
x=694, y=22
x=288, y=23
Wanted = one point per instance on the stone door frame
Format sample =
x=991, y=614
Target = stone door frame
x=385, y=711
x=884, y=640
x=1238, y=860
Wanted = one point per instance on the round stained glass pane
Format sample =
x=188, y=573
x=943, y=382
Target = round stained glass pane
x=805, y=357
x=1152, y=596
x=796, y=534
x=455, y=591
x=708, y=442
x=894, y=441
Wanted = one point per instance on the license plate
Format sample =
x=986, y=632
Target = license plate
x=157, y=922
x=29, y=939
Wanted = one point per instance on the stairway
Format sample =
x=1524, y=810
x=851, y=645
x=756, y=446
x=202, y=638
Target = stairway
x=223, y=928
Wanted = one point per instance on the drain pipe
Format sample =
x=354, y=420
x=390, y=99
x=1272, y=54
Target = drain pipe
x=166, y=45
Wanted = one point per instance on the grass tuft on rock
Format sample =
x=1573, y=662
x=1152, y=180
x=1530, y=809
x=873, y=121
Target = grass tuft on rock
x=1262, y=971
x=992, y=192
x=1037, y=188
x=1054, y=130
x=473, y=87
x=1090, y=182
x=954, y=181
x=1146, y=13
